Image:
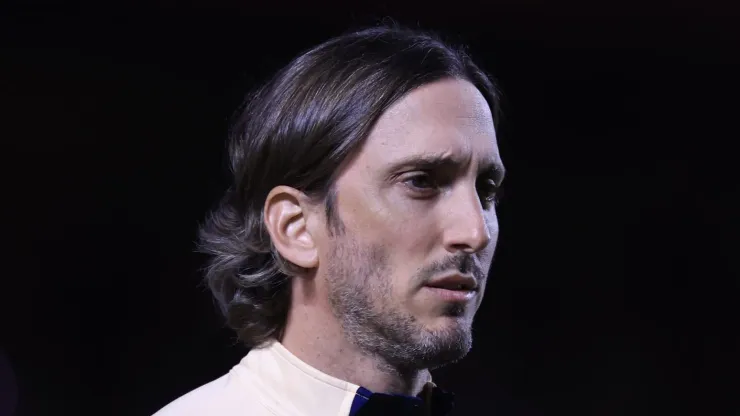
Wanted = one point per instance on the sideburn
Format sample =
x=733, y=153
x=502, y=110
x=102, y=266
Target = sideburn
x=334, y=224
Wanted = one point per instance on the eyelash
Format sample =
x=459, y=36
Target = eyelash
x=492, y=197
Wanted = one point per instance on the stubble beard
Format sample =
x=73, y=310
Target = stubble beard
x=361, y=297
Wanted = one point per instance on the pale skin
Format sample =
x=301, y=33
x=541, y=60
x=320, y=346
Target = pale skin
x=415, y=213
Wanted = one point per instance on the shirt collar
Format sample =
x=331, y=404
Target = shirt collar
x=289, y=385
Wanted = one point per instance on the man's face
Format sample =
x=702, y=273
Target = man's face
x=416, y=211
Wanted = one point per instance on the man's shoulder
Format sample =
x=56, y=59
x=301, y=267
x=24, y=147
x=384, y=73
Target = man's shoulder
x=229, y=395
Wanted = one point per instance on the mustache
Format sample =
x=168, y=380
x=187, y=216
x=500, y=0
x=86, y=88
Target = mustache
x=463, y=264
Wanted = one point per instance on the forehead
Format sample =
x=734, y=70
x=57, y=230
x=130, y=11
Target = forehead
x=448, y=118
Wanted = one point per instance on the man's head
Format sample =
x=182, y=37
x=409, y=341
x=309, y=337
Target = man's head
x=416, y=208
x=367, y=167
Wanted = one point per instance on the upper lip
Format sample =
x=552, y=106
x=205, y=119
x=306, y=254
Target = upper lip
x=454, y=282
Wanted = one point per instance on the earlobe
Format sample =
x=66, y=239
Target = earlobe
x=286, y=218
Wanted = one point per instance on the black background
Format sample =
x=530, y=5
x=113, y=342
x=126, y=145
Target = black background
x=615, y=286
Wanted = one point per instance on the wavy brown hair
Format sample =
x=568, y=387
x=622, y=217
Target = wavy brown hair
x=297, y=130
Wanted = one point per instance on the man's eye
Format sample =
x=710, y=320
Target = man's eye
x=488, y=191
x=422, y=182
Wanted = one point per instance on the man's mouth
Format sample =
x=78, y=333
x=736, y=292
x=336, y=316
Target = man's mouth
x=454, y=288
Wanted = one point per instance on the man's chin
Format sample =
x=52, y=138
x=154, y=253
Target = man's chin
x=447, y=356
x=448, y=341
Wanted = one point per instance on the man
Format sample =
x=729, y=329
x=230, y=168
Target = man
x=351, y=253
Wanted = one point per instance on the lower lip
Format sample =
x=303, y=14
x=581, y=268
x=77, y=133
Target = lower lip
x=452, y=295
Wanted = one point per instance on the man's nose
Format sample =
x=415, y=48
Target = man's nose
x=467, y=228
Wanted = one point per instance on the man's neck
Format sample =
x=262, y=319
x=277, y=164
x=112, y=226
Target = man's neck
x=316, y=338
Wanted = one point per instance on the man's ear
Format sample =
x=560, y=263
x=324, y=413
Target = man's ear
x=286, y=219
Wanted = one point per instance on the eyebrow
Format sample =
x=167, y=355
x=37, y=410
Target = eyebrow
x=490, y=168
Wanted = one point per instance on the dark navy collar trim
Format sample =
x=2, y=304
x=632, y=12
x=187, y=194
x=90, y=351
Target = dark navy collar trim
x=440, y=403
